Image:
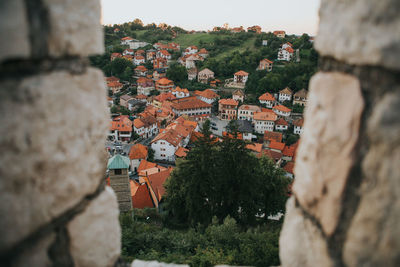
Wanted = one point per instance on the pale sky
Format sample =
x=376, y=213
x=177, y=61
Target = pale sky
x=293, y=16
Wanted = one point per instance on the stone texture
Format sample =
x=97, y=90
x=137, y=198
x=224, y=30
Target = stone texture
x=373, y=237
x=360, y=32
x=325, y=154
x=139, y=263
x=14, y=30
x=95, y=234
x=75, y=27
x=36, y=255
x=301, y=243
x=53, y=127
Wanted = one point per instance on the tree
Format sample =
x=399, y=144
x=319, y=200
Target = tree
x=177, y=73
x=127, y=74
x=150, y=155
x=195, y=186
x=119, y=65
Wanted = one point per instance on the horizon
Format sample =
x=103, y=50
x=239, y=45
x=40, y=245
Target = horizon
x=291, y=15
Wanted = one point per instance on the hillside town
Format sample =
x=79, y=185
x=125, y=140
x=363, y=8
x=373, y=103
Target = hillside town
x=155, y=127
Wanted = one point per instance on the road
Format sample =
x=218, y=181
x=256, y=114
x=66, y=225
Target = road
x=123, y=148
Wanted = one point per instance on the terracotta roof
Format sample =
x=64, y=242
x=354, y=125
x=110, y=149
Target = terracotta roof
x=126, y=97
x=192, y=103
x=114, y=84
x=228, y=101
x=241, y=73
x=171, y=136
x=281, y=121
x=181, y=152
x=141, y=68
x=144, y=165
x=232, y=136
x=139, y=57
x=276, y=145
x=165, y=52
x=271, y=154
x=289, y=49
x=138, y=123
x=267, y=60
x=157, y=181
x=112, y=79
x=282, y=108
x=265, y=116
x=286, y=91
x=279, y=32
x=267, y=97
x=203, y=51
x=165, y=96
x=208, y=93
x=126, y=38
x=255, y=147
x=121, y=124
x=289, y=167
x=289, y=151
x=164, y=81
x=275, y=136
x=298, y=122
x=141, y=97
x=178, y=89
x=141, y=197
x=138, y=151
x=253, y=108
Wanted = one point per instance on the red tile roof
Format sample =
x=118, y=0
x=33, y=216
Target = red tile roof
x=276, y=145
x=298, y=122
x=208, y=93
x=192, y=103
x=265, y=116
x=281, y=121
x=141, y=198
x=267, y=97
x=241, y=73
x=282, y=108
x=269, y=136
x=255, y=147
x=138, y=151
x=157, y=181
x=289, y=167
x=181, y=152
x=289, y=151
x=228, y=101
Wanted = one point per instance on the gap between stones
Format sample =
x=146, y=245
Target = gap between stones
x=57, y=225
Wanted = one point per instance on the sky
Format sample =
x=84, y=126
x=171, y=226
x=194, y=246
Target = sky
x=292, y=16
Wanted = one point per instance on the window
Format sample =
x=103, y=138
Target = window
x=162, y=155
x=118, y=171
x=162, y=149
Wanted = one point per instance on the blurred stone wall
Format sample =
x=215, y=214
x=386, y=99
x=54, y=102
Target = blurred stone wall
x=54, y=208
x=346, y=205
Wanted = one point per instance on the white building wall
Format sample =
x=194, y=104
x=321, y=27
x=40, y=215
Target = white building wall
x=262, y=126
x=163, y=150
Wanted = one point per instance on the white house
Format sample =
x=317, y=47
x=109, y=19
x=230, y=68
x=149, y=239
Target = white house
x=126, y=40
x=137, y=153
x=191, y=107
x=128, y=52
x=282, y=111
x=246, y=112
x=179, y=92
x=285, y=54
x=267, y=99
x=281, y=125
x=165, y=144
x=137, y=60
x=191, y=50
x=164, y=54
x=208, y=96
x=136, y=44
x=238, y=95
x=144, y=86
x=145, y=126
x=264, y=121
x=285, y=94
x=286, y=45
x=240, y=77
x=298, y=126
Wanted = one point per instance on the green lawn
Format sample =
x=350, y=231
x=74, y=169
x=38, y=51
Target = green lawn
x=247, y=44
x=186, y=40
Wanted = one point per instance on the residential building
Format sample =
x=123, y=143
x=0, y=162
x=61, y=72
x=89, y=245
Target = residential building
x=267, y=99
x=298, y=126
x=164, y=54
x=128, y=52
x=238, y=95
x=119, y=181
x=279, y=34
x=123, y=100
x=164, y=85
x=237, y=29
x=276, y=146
x=246, y=129
x=137, y=60
x=145, y=126
x=255, y=28
x=126, y=40
x=227, y=109
x=179, y=92
x=281, y=110
x=144, y=86
x=134, y=104
x=160, y=63
x=265, y=64
x=240, y=78
x=300, y=98
x=141, y=197
x=272, y=136
x=208, y=96
x=203, y=53
x=205, y=75
x=285, y=54
x=165, y=144
x=286, y=45
x=191, y=107
x=115, y=55
x=192, y=74
x=288, y=168
x=285, y=95
x=137, y=153
x=121, y=128
x=115, y=87
x=155, y=184
x=246, y=112
x=191, y=50
x=136, y=44
x=151, y=55
x=158, y=73
x=264, y=42
x=281, y=124
x=140, y=52
x=161, y=98
x=191, y=61
x=140, y=71
x=264, y=121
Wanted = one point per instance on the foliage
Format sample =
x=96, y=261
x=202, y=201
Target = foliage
x=143, y=237
x=297, y=108
x=291, y=139
x=250, y=186
x=150, y=155
x=177, y=73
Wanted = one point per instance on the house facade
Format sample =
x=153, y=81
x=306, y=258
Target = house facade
x=298, y=126
x=265, y=64
x=264, y=121
x=267, y=99
x=208, y=96
x=240, y=77
x=282, y=111
x=145, y=126
x=227, y=109
x=285, y=94
x=238, y=95
x=192, y=107
x=281, y=125
x=246, y=112
x=144, y=86
x=300, y=98
x=205, y=76
x=164, y=85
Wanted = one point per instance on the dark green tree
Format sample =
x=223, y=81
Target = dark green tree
x=177, y=73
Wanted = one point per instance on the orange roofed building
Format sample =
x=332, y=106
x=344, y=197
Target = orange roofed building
x=280, y=34
x=191, y=107
x=121, y=128
x=208, y=96
x=282, y=111
x=265, y=64
x=227, y=109
x=264, y=121
x=164, y=85
x=137, y=153
x=267, y=99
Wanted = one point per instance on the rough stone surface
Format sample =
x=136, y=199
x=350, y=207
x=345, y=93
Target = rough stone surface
x=330, y=133
x=96, y=234
x=373, y=238
x=360, y=32
x=53, y=154
x=75, y=27
x=36, y=255
x=301, y=242
x=139, y=263
x=14, y=42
